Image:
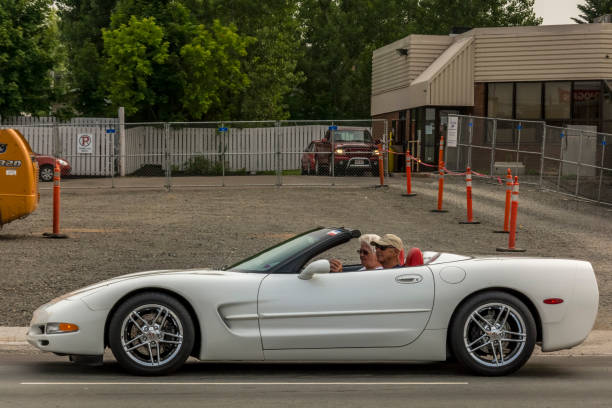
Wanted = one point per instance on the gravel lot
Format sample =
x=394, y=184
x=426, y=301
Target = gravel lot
x=118, y=231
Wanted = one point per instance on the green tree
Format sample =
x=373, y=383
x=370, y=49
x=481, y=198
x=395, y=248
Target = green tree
x=202, y=70
x=591, y=9
x=338, y=38
x=61, y=90
x=81, y=24
x=440, y=16
x=133, y=51
x=273, y=52
x=25, y=60
x=211, y=68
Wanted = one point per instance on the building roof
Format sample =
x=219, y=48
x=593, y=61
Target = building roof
x=441, y=70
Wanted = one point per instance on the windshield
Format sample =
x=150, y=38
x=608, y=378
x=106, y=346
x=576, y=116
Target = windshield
x=362, y=136
x=269, y=258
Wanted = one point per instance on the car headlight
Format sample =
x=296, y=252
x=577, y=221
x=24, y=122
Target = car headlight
x=62, y=162
x=339, y=151
x=55, y=328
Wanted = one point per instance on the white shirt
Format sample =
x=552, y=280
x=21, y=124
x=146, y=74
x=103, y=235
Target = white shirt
x=363, y=268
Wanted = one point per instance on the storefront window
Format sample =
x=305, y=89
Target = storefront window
x=499, y=99
x=586, y=101
x=528, y=100
x=557, y=100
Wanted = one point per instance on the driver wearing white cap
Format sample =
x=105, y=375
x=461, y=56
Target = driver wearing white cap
x=388, y=249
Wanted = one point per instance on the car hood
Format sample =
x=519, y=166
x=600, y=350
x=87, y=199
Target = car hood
x=77, y=294
x=353, y=144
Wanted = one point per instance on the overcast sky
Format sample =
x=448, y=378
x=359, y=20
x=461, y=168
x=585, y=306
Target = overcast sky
x=557, y=11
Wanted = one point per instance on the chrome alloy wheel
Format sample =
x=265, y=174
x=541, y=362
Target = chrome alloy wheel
x=494, y=335
x=46, y=173
x=151, y=335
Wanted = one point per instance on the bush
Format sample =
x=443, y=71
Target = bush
x=201, y=166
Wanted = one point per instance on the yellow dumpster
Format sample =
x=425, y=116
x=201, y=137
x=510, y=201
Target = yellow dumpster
x=18, y=177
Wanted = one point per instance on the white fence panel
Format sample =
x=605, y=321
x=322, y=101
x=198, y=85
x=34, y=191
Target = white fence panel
x=50, y=137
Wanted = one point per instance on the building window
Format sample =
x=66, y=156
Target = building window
x=499, y=100
x=586, y=96
x=528, y=100
x=557, y=100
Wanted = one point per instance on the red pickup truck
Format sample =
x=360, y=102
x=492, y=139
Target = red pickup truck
x=353, y=150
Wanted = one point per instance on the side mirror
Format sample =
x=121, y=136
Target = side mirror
x=320, y=266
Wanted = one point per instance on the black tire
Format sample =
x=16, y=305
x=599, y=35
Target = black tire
x=339, y=170
x=480, y=334
x=320, y=170
x=45, y=173
x=162, y=327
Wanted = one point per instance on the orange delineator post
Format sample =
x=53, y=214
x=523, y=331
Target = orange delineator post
x=468, y=189
x=508, y=199
x=56, y=197
x=440, y=185
x=440, y=188
x=56, y=204
x=468, y=183
x=381, y=169
x=509, y=185
x=440, y=176
x=409, y=192
x=513, y=216
x=515, y=193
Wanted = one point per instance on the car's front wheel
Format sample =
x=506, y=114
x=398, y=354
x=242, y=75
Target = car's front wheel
x=320, y=170
x=493, y=333
x=151, y=334
x=46, y=172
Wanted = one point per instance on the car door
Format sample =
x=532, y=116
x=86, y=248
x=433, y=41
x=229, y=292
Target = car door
x=380, y=308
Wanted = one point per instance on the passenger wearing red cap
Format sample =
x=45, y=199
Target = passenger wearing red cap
x=388, y=249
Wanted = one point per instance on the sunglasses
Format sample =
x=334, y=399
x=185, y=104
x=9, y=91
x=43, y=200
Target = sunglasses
x=383, y=247
x=363, y=252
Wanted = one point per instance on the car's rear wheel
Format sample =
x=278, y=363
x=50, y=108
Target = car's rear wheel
x=493, y=333
x=45, y=172
x=151, y=334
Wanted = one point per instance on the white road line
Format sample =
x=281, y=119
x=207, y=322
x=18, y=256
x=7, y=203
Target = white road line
x=245, y=383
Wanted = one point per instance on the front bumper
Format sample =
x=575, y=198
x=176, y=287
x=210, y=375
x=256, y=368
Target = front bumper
x=348, y=162
x=88, y=340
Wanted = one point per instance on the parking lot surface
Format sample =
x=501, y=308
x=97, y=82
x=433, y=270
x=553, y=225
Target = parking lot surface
x=123, y=230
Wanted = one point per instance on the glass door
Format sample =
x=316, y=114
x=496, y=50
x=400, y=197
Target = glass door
x=429, y=141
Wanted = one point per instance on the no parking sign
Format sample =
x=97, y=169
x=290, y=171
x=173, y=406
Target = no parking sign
x=85, y=143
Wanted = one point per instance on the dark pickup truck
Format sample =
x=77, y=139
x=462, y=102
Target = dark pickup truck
x=352, y=150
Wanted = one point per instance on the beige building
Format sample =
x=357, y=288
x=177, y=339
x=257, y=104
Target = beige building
x=560, y=74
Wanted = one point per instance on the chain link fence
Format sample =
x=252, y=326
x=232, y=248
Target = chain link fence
x=85, y=147
x=201, y=154
x=572, y=160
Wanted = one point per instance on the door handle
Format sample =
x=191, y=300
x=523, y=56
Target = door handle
x=413, y=278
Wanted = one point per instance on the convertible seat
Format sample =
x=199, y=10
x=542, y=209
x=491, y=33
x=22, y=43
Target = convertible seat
x=414, y=257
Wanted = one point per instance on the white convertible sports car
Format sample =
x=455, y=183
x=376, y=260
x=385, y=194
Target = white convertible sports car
x=281, y=305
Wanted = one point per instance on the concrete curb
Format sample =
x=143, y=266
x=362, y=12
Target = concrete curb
x=598, y=343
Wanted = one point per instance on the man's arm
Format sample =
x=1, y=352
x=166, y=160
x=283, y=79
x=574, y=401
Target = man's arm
x=335, y=265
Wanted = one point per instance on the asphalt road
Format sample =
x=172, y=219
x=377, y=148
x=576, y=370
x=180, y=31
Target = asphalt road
x=31, y=380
